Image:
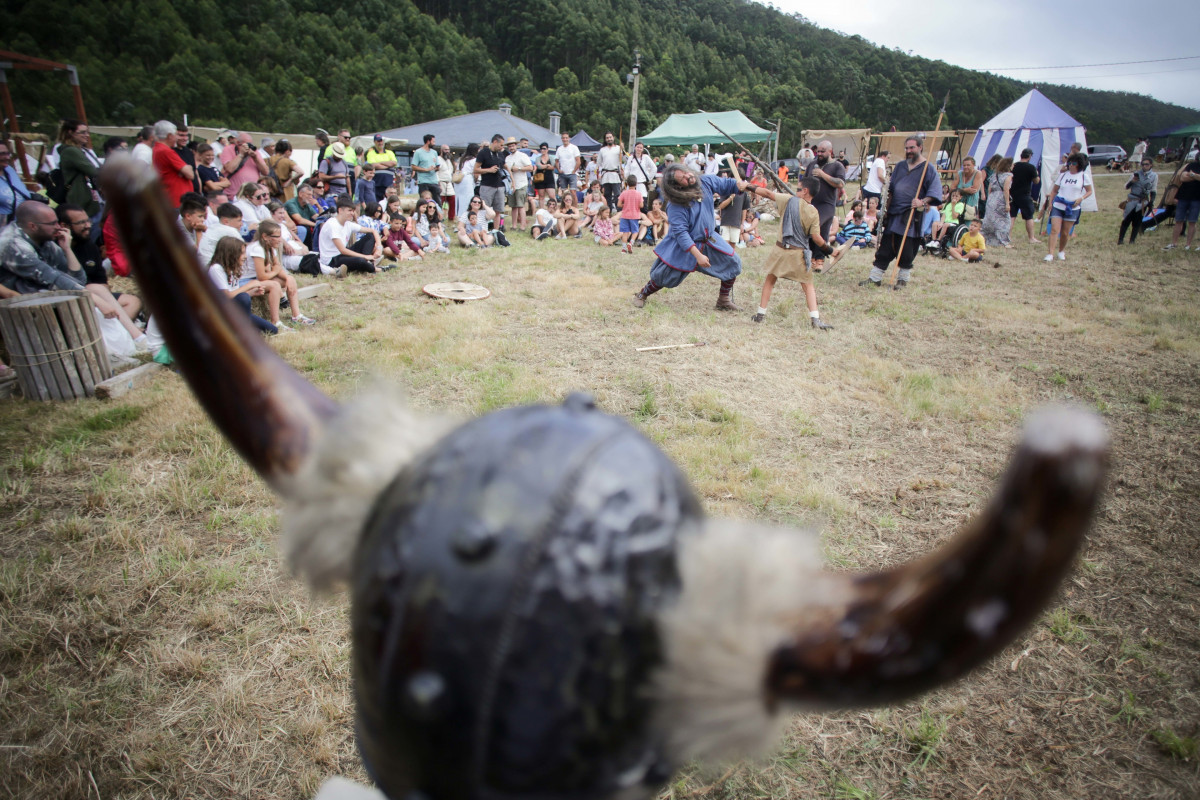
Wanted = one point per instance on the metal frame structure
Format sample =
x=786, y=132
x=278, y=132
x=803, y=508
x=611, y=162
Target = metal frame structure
x=10, y=60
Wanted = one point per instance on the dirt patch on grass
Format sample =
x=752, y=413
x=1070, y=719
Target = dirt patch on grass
x=151, y=646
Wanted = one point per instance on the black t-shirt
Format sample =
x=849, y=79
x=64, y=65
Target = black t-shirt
x=1023, y=174
x=189, y=157
x=207, y=174
x=486, y=158
x=1189, y=191
x=826, y=195
x=90, y=260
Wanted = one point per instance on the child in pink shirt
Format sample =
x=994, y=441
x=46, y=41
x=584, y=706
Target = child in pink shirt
x=603, y=228
x=630, y=202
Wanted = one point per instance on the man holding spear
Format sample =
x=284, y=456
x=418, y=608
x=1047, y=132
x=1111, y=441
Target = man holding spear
x=913, y=190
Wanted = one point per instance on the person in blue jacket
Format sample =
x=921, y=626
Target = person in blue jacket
x=694, y=242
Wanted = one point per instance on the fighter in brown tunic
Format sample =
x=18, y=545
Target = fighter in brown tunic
x=791, y=258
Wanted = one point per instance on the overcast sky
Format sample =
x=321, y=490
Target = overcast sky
x=1033, y=33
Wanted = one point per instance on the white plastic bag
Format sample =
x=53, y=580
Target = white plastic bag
x=116, y=338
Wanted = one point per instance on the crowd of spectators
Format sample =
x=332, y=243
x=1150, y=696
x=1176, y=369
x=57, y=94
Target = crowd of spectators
x=349, y=215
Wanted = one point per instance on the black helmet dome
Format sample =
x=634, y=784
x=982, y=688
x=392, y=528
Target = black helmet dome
x=504, y=609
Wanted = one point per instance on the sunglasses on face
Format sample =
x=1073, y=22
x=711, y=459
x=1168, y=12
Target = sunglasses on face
x=261, y=196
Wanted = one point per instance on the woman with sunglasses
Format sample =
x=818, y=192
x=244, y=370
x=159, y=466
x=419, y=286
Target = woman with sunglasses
x=252, y=201
x=482, y=216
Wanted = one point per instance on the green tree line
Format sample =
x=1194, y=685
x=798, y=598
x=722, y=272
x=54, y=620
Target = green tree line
x=293, y=65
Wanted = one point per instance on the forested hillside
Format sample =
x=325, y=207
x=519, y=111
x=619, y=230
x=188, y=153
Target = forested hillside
x=369, y=64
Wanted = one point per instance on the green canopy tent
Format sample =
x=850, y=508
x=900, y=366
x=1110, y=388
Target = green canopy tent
x=689, y=129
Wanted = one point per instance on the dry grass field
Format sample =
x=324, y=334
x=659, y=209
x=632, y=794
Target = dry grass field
x=152, y=646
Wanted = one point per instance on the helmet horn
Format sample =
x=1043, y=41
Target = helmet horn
x=923, y=624
x=268, y=411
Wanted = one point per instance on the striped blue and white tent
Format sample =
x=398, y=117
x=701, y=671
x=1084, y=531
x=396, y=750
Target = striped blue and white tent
x=1033, y=121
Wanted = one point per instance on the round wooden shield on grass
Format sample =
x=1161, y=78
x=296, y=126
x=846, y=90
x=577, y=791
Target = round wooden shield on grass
x=457, y=291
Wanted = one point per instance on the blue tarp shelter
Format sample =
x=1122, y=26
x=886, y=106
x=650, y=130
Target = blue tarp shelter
x=584, y=142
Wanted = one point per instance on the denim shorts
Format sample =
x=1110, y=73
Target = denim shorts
x=629, y=225
x=1064, y=212
x=1187, y=210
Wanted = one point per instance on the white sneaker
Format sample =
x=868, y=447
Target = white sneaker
x=1062, y=256
x=142, y=344
x=1048, y=257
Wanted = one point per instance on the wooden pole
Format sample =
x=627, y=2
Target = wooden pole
x=765, y=168
x=912, y=210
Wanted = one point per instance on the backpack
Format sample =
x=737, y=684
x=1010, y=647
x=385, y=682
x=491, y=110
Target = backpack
x=56, y=187
x=271, y=179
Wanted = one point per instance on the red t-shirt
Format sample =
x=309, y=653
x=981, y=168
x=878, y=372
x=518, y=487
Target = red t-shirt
x=113, y=249
x=168, y=163
x=631, y=204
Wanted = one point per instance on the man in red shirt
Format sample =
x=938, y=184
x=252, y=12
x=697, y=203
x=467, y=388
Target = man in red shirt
x=175, y=174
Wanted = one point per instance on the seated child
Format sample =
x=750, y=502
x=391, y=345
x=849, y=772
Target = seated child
x=475, y=233
x=971, y=248
x=855, y=232
x=951, y=214
x=398, y=244
x=871, y=214
x=603, y=227
x=592, y=204
x=750, y=228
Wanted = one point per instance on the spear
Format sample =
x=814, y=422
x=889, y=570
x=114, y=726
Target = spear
x=920, y=183
x=765, y=168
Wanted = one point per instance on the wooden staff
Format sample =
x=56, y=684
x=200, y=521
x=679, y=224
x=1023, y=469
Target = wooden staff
x=911, y=209
x=753, y=157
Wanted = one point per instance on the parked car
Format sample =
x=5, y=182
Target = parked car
x=792, y=164
x=1105, y=153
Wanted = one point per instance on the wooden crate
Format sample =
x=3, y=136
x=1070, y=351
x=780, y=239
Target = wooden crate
x=54, y=344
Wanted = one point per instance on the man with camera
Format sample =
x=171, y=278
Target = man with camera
x=241, y=163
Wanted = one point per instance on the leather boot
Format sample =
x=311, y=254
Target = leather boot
x=725, y=304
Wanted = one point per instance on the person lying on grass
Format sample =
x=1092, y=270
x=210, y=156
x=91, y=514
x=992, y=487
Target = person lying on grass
x=971, y=247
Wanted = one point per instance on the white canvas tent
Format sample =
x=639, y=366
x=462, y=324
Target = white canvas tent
x=1033, y=121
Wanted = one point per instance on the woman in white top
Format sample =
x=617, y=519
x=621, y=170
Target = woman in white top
x=876, y=176
x=293, y=249
x=464, y=188
x=1070, y=190
x=252, y=201
x=264, y=256
x=223, y=269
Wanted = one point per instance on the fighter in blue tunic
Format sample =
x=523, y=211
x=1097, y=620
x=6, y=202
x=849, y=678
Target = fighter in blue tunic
x=694, y=241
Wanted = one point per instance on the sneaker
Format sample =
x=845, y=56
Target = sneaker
x=1048, y=257
x=561, y=236
x=281, y=329
x=303, y=320
x=342, y=271
x=543, y=235
x=1169, y=247
x=443, y=249
x=870, y=283
x=579, y=236
x=758, y=317
x=741, y=245
x=1062, y=256
x=825, y=326
x=283, y=302
x=142, y=344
